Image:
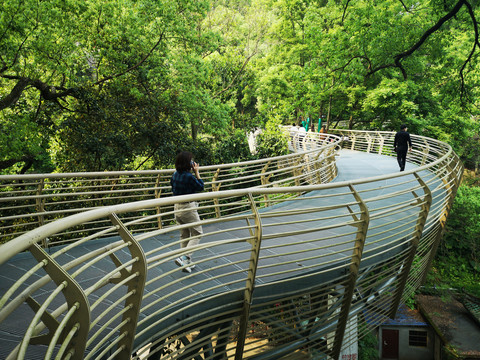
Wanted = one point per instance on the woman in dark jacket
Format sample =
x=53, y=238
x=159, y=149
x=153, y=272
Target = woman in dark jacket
x=183, y=183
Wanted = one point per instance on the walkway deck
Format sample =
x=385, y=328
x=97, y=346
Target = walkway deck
x=213, y=266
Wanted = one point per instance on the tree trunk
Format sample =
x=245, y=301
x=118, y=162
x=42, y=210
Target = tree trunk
x=329, y=112
x=194, y=130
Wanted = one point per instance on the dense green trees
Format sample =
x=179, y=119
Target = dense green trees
x=458, y=259
x=464, y=223
x=103, y=85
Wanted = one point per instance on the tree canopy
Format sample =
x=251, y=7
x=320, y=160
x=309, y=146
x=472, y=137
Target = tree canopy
x=107, y=85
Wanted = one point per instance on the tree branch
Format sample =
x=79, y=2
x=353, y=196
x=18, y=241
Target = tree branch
x=404, y=6
x=342, y=68
x=397, y=58
x=475, y=44
x=50, y=92
x=4, y=164
x=345, y=10
x=14, y=95
x=236, y=75
x=47, y=92
x=134, y=66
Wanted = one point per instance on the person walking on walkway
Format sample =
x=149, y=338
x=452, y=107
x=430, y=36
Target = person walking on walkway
x=183, y=183
x=402, y=144
x=323, y=131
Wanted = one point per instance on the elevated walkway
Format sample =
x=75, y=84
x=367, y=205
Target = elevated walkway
x=296, y=270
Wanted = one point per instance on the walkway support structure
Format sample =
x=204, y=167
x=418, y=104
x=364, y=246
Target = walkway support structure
x=289, y=262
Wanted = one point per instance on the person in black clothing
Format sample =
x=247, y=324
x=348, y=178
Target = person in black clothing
x=402, y=144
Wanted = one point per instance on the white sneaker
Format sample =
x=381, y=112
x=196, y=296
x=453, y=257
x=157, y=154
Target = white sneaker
x=186, y=263
x=180, y=261
x=189, y=266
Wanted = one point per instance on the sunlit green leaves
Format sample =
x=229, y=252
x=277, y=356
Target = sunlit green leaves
x=123, y=63
x=272, y=141
x=202, y=68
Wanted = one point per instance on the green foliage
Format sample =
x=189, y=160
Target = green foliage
x=457, y=262
x=25, y=138
x=368, y=347
x=202, y=149
x=105, y=85
x=233, y=148
x=272, y=141
x=112, y=129
x=326, y=52
x=462, y=236
x=454, y=271
x=469, y=151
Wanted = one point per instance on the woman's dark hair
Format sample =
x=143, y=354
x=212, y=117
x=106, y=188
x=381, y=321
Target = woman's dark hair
x=182, y=162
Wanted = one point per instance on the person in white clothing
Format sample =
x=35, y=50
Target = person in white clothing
x=301, y=137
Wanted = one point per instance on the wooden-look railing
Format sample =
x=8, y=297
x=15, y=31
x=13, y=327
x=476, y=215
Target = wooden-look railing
x=289, y=261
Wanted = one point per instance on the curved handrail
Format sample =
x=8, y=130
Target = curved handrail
x=343, y=271
x=24, y=241
x=32, y=200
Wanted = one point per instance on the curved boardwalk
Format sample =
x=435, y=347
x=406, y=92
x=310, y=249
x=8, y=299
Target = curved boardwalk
x=324, y=261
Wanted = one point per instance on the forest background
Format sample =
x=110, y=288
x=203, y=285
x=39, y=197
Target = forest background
x=98, y=85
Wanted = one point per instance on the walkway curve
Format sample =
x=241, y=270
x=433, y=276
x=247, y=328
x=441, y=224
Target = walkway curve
x=297, y=264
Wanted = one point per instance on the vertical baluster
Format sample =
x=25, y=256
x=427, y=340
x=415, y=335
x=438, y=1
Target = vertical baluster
x=362, y=226
x=417, y=234
x=256, y=242
x=79, y=321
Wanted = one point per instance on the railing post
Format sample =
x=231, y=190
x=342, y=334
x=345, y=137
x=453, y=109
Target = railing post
x=422, y=218
x=135, y=288
x=354, y=136
x=362, y=226
x=78, y=323
x=216, y=187
x=369, y=142
x=297, y=169
x=158, y=194
x=256, y=242
x=40, y=207
x=293, y=139
x=331, y=165
x=425, y=151
x=307, y=160
x=317, y=167
x=382, y=142
x=264, y=179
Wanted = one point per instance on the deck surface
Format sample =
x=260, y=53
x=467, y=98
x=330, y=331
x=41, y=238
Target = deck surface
x=217, y=271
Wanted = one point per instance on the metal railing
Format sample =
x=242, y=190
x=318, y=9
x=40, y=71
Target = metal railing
x=29, y=201
x=289, y=264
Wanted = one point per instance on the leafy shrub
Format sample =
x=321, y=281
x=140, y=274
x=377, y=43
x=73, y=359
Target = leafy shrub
x=273, y=141
x=368, y=346
x=462, y=236
x=233, y=148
